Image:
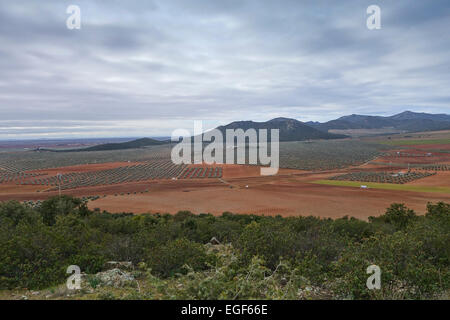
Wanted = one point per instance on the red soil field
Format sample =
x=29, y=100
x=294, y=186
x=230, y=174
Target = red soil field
x=435, y=157
x=440, y=179
x=241, y=190
x=432, y=146
x=287, y=196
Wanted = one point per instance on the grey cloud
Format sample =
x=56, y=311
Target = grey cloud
x=216, y=60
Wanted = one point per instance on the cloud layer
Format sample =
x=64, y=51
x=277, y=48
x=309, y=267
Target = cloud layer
x=143, y=68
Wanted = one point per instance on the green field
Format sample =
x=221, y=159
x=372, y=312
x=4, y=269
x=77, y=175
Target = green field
x=386, y=186
x=414, y=142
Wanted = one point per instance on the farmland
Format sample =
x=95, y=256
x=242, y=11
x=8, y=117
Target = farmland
x=432, y=167
x=326, y=155
x=145, y=179
x=133, y=173
x=314, y=155
x=382, y=177
x=38, y=160
x=384, y=186
x=411, y=142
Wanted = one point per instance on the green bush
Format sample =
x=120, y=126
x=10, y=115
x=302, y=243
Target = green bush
x=169, y=259
x=268, y=239
x=259, y=257
x=62, y=205
x=397, y=215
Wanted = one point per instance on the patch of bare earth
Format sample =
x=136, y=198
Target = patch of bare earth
x=289, y=195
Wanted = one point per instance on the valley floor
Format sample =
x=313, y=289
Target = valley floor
x=241, y=189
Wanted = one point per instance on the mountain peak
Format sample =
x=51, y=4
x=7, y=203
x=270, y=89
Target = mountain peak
x=290, y=129
x=410, y=115
x=282, y=119
x=407, y=113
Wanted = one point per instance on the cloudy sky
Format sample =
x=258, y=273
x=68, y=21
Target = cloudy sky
x=144, y=68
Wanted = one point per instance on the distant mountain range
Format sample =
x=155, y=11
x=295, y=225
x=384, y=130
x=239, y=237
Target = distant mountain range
x=407, y=121
x=294, y=130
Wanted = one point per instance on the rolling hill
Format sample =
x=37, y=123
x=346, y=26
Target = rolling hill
x=139, y=143
x=134, y=144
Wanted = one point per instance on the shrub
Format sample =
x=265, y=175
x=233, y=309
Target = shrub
x=268, y=239
x=397, y=215
x=169, y=259
x=13, y=212
x=62, y=205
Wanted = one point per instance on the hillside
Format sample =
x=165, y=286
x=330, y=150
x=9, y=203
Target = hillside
x=290, y=129
x=406, y=121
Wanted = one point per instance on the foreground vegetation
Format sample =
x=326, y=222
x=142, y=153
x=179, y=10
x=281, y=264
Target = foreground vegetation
x=258, y=257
